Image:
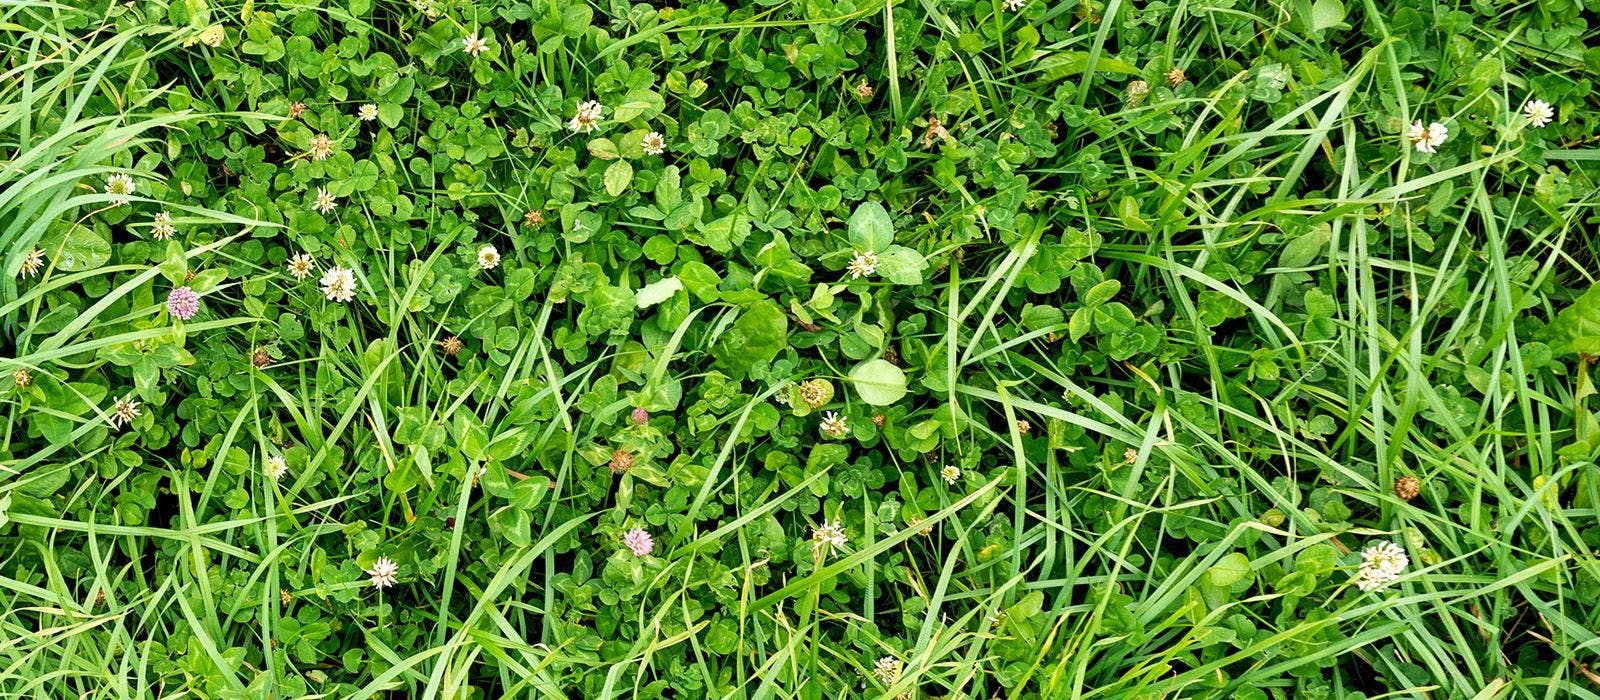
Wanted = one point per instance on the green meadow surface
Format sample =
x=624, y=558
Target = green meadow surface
x=799, y=349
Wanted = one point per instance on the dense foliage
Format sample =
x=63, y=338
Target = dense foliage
x=929, y=349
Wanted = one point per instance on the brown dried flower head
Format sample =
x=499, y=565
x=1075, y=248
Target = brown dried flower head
x=877, y=419
x=22, y=378
x=1407, y=487
x=1023, y=427
x=297, y=110
x=451, y=345
x=1175, y=77
x=534, y=217
x=863, y=90
x=260, y=358
x=621, y=461
x=936, y=130
x=286, y=597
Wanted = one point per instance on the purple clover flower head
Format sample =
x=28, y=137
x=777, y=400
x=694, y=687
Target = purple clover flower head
x=183, y=303
x=640, y=416
x=639, y=541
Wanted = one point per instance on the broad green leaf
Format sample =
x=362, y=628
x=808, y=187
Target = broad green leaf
x=1305, y=249
x=618, y=177
x=1230, y=569
x=901, y=265
x=1576, y=329
x=657, y=292
x=761, y=332
x=1326, y=14
x=878, y=382
x=870, y=228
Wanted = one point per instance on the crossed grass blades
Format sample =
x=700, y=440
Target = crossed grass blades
x=798, y=350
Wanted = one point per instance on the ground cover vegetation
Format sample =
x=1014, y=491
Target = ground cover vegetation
x=799, y=349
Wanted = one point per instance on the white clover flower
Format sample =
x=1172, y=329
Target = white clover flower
x=588, y=117
x=1381, y=565
x=951, y=473
x=383, y=572
x=833, y=425
x=1539, y=113
x=488, y=257
x=123, y=411
x=161, y=227
x=325, y=201
x=321, y=147
x=32, y=263
x=827, y=537
x=654, y=143
x=367, y=112
x=1427, y=139
x=338, y=284
x=1014, y=5
x=301, y=266
x=120, y=186
x=864, y=264
x=276, y=467
x=887, y=670
x=474, y=45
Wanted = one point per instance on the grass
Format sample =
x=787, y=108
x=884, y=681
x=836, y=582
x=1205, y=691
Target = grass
x=1181, y=345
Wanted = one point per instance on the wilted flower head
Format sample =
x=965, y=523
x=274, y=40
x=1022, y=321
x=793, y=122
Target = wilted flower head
x=863, y=264
x=534, y=217
x=833, y=425
x=260, y=358
x=296, y=110
x=301, y=266
x=1539, y=113
x=183, y=303
x=1427, y=139
x=863, y=90
x=935, y=130
x=827, y=537
x=123, y=411
x=1407, y=487
x=654, y=143
x=621, y=461
x=474, y=45
x=32, y=262
x=325, y=201
x=161, y=227
x=120, y=186
x=367, y=112
x=383, y=572
x=22, y=378
x=1175, y=77
x=1135, y=94
x=488, y=257
x=338, y=284
x=276, y=467
x=587, y=118
x=321, y=147
x=1381, y=565
x=639, y=542
x=450, y=345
